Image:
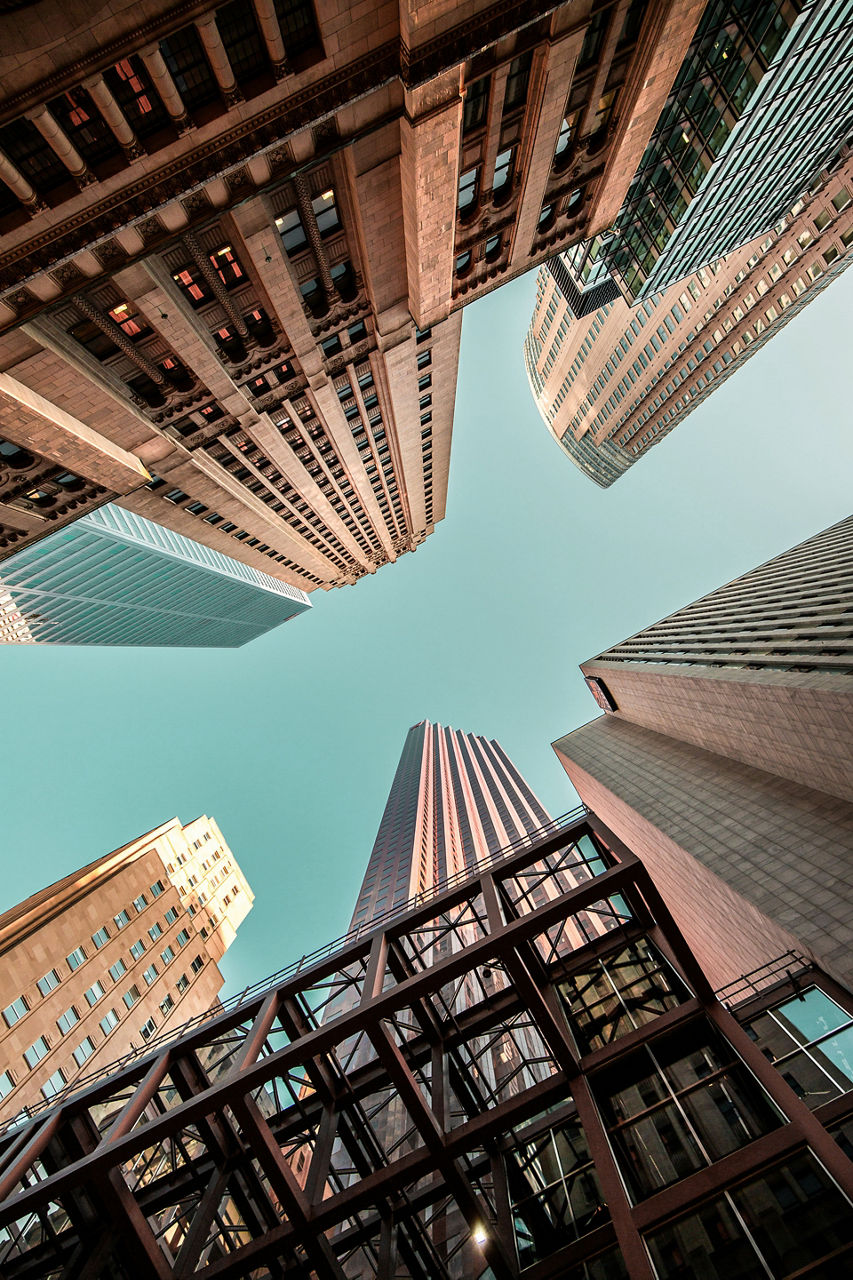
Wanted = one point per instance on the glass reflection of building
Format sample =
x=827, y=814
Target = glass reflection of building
x=761, y=104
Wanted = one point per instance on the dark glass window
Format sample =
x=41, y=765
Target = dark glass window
x=14, y=456
x=193, y=285
x=298, y=26
x=615, y=995
x=357, y=332
x=183, y=53
x=83, y=123
x=517, y=81
x=468, y=186
x=784, y=1223
x=679, y=1105
x=292, y=232
x=177, y=373
x=476, y=104
x=131, y=87
x=314, y=296
x=326, y=212
x=29, y=152
x=130, y=322
x=246, y=50
x=227, y=266
x=809, y=1040
x=148, y=390
x=331, y=346
x=93, y=339
x=594, y=39
x=502, y=178
x=553, y=1190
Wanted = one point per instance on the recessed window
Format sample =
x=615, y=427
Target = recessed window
x=7, y=1084
x=197, y=964
x=326, y=212
x=15, y=1011
x=128, y=321
x=68, y=1019
x=167, y=1004
x=121, y=919
x=227, y=266
x=48, y=982
x=193, y=285
x=54, y=1084
x=38, y=1049
x=109, y=1022
x=131, y=996
x=137, y=949
x=171, y=915
x=476, y=105
x=292, y=232
x=141, y=902
x=76, y=958
x=155, y=931
x=101, y=938
x=147, y=1029
x=117, y=969
x=167, y=955
x=94, y=994
x=493, y=248
x=84, y=1050
x=182, y=984
x=357, y=332
x=150, y=974
x=468, y=186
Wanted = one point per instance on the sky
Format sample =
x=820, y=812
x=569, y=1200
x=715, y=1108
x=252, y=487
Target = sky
x=291, y=742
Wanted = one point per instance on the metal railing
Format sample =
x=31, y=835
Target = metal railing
x=307, y=961
x=790, y=965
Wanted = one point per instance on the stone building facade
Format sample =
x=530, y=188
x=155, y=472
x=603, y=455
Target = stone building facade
x=98, y=963
x=237, y=240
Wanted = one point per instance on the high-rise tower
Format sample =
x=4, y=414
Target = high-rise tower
x=456, y=798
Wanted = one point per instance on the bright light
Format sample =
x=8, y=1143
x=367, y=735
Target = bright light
x=328, y=195
x=480, y=1235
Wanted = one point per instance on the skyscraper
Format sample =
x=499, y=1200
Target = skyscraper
x=115, y=578
x=237, y=241
x=611, y=379
x=124, y=949
x=725, y=756
x=455, y=799
x=761, y=104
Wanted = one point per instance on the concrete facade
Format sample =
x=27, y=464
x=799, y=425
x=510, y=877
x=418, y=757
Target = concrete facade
x=236, y=245
x=98, y=963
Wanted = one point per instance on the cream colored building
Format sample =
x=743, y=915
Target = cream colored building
x=99, y=963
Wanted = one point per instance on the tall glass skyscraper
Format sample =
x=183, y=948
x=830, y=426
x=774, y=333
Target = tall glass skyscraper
x=115, y=578
x=456, y=798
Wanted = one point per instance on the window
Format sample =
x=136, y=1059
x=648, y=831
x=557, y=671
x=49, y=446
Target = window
x=94, y=993
x=193, y=285
x=100, y=938
x=183, y=938
x=227, y=266
x=68, y=1019
x=292, y=232
x=678, y=1106
x=167, y=1004
x=75, y=959
x=155, y=931
x=141, y=902
x=131, y=996
x=48, y=983
x=157, y=888
x=553, y=1190
x=15, y=1011
x=623, y=991
x=197, y=965
x=54, y=1084
x=171, y=915
x=326, y=212
x=121, y=919
x=167, y=956
x=517, y=81
x=242, y=40
x=476, y=104
x=148, y=1029
x=38, y=1049
x=117, y=969
x=109, y=1022
x=131, y=87
x=331, y=346
x=137, y=949
x=468, y=185
x=150, y=974
x=779, y=1224
x=809, y=1040
x=84, y=1050
x=7, y=1084
x=184, y=55
x=182, y=983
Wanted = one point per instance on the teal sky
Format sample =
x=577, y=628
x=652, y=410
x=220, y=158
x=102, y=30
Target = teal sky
x=291, y=742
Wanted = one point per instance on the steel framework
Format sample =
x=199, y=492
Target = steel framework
x=354, y=1120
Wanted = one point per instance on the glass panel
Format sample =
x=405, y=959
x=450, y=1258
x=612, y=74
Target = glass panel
x=708, y=1245
x=619, y=993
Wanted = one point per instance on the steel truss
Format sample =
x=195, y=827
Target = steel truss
x=351, y=1122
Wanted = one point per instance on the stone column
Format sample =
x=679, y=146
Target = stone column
x=166, y=87
x=59, y=142
x=271, y=32
x=114, y=116
x=205, y=266
x=120, y=338
x=18, y=183
x=218, y=58
x=306, y=213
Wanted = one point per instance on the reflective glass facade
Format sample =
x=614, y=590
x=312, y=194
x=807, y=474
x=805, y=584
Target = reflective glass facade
x=761, y=104
x=116, y=578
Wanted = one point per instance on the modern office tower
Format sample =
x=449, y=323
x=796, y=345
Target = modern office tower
x=236, y=243
x=610, y=379
x=726, y=757
x=112, y=955
x=113, y=577
x=456, y=798
x=761, y=105
x=656, y=1133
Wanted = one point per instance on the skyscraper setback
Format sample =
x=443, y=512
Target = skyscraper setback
x=456, y=798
